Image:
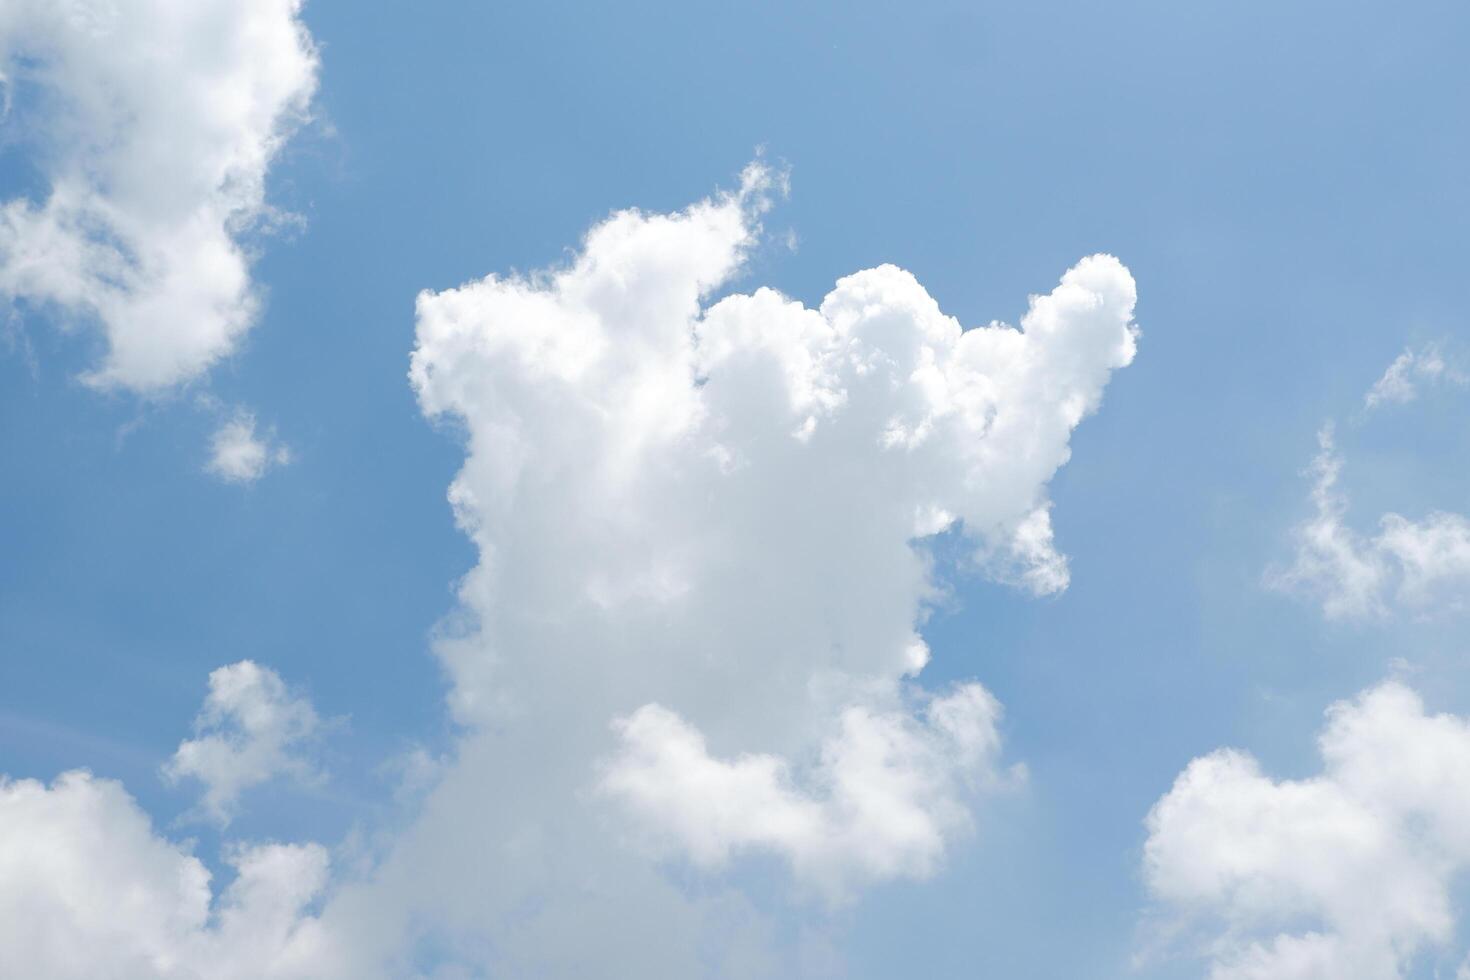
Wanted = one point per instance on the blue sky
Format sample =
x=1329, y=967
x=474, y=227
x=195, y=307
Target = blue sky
x=1285, y=183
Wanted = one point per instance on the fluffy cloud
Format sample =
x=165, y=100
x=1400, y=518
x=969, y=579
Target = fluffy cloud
x=1346, y=874
x=1400, y=383
x=239, y=455
x=250, y=730
x=693, y=631
x=153, y=123
x=1421, y=566
x=88, y=890
x=887, y=801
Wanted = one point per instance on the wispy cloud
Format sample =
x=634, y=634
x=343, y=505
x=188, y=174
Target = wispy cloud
x=1409, y=372
x=1418, y=566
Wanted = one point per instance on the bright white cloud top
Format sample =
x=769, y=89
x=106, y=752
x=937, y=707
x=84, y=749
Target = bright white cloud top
x=1346, y=874
x=153, y=124
x=250, y=730
x=1422, y=567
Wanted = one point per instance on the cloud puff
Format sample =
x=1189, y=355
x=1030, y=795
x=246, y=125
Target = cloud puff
x=153, y=123
x=251, y=730
x=239, y=455
x=694, y=623
x=87, y=890
x=1421, y=566
x=1345, y=874
x=1400, y=383
x=888, y=790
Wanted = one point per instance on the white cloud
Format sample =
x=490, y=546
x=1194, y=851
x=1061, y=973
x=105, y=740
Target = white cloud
x=154, y=123
x=1345, y=874
x=888, y=790
x=693, y=630
x=88, y=890
x=239, y=455
x=1421, y=566
x=1400, y=383
x=694, y=621
x=250, y=730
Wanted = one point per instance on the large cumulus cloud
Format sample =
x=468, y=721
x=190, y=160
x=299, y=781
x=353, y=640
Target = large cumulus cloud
x=694, y=629
x=693, y=636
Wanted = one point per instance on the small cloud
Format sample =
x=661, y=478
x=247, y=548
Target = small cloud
x=239, y=455
x=250, y=730
x=1421, y=566
x=1401, y=382
x=1403, y=667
